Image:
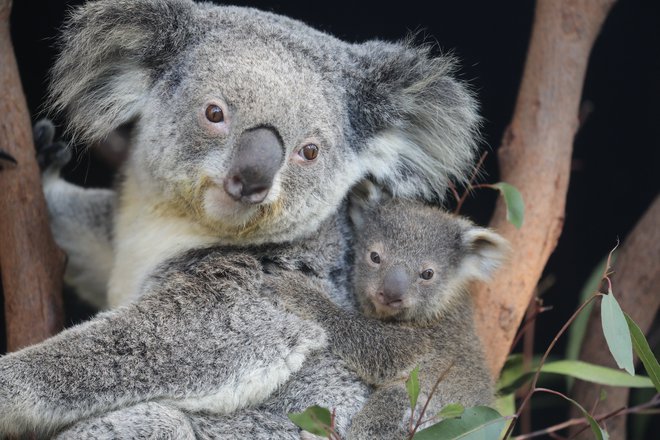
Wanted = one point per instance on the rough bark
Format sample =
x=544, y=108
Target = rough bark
x=30, y=262
x=535, y=157
x=635, y=285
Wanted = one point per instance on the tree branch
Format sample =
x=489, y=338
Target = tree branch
x=635, y=285
x=535, y=157
x=30, y=262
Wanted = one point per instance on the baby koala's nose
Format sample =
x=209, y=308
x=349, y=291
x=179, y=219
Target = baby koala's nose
x=395, y=286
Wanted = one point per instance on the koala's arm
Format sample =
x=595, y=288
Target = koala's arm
x=200, y=339
x=81, y=220
x=377, y=351
x=383, y=354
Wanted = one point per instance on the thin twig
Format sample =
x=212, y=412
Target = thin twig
x=638, y=409
x=553, y=428
x=454, y=192
x=469, y=186
x=528, y=322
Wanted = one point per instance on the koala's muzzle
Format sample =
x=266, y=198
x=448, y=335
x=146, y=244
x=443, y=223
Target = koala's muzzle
x=395, y=286
x=259, y=156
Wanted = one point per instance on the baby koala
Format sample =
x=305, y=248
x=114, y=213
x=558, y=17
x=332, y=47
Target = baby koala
x=413, y=266
x=413, y=260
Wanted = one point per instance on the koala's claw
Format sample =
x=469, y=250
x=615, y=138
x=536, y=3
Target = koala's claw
x=50, y=154
x=54, y=155
x=43, y=133
x=6, y=158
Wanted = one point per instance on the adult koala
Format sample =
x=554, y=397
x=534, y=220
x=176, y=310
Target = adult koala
x=248, y=131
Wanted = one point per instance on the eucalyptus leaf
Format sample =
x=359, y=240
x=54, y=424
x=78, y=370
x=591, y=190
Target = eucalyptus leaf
x=315, y=419
x=577, y=370
x=477, y=423
x=412, y=386
x=506, y=404
x=451, y=410
x=617, y=334
x=511, y=371
x=515, y=207
x=644, y=352
x=597, y=374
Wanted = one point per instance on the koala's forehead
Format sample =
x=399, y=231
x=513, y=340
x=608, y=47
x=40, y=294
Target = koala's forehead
x=414, y=231
x=267, y=67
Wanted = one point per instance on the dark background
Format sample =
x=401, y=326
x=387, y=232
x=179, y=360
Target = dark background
x=617, y=150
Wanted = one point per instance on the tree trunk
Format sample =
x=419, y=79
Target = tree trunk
x=30, y=261
x=535, y=157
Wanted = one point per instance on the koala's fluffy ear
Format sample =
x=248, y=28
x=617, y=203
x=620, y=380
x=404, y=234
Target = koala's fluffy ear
x=417, y=123
x=485, y=251
x=111, y=53
x=364, y=196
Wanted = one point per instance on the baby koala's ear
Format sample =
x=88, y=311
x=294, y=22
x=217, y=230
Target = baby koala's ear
x=365, y=196
x=485, y=252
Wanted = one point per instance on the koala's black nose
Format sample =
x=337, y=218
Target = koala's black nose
x=395, y=286
x=259, y=155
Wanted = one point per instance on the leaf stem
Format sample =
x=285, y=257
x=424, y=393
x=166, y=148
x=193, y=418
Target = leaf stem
x=428, y=400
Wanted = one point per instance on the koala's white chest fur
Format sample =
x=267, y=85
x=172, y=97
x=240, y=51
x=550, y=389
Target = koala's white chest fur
x=143, y=240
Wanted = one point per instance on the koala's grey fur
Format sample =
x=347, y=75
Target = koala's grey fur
x=432, y=327
x=191, y=329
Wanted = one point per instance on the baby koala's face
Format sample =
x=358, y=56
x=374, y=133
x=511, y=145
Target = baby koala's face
x=405, y=259
x=394, y=285
x=412, y=260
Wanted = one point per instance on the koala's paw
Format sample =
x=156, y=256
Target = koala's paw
x=51, y=155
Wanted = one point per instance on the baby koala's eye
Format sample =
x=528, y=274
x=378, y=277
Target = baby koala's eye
x=309, y=152
x=214, y=113
x=427, y=274
x=375, y=257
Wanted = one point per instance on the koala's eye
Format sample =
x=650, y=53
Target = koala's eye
x=214, y=114
x=427, y=274
x=309, y=152
x=375, y=257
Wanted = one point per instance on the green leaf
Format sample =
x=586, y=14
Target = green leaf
x=451, y=410
x=617, y=334
x=412, y=385
x=514, y=377
x=515, y=207
x=506, y=404
x=314, y=419
x=478, y=423
x=511, y=371
x=644, y=352
x=517, y=383
x=513, y=374
x=596, y=374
